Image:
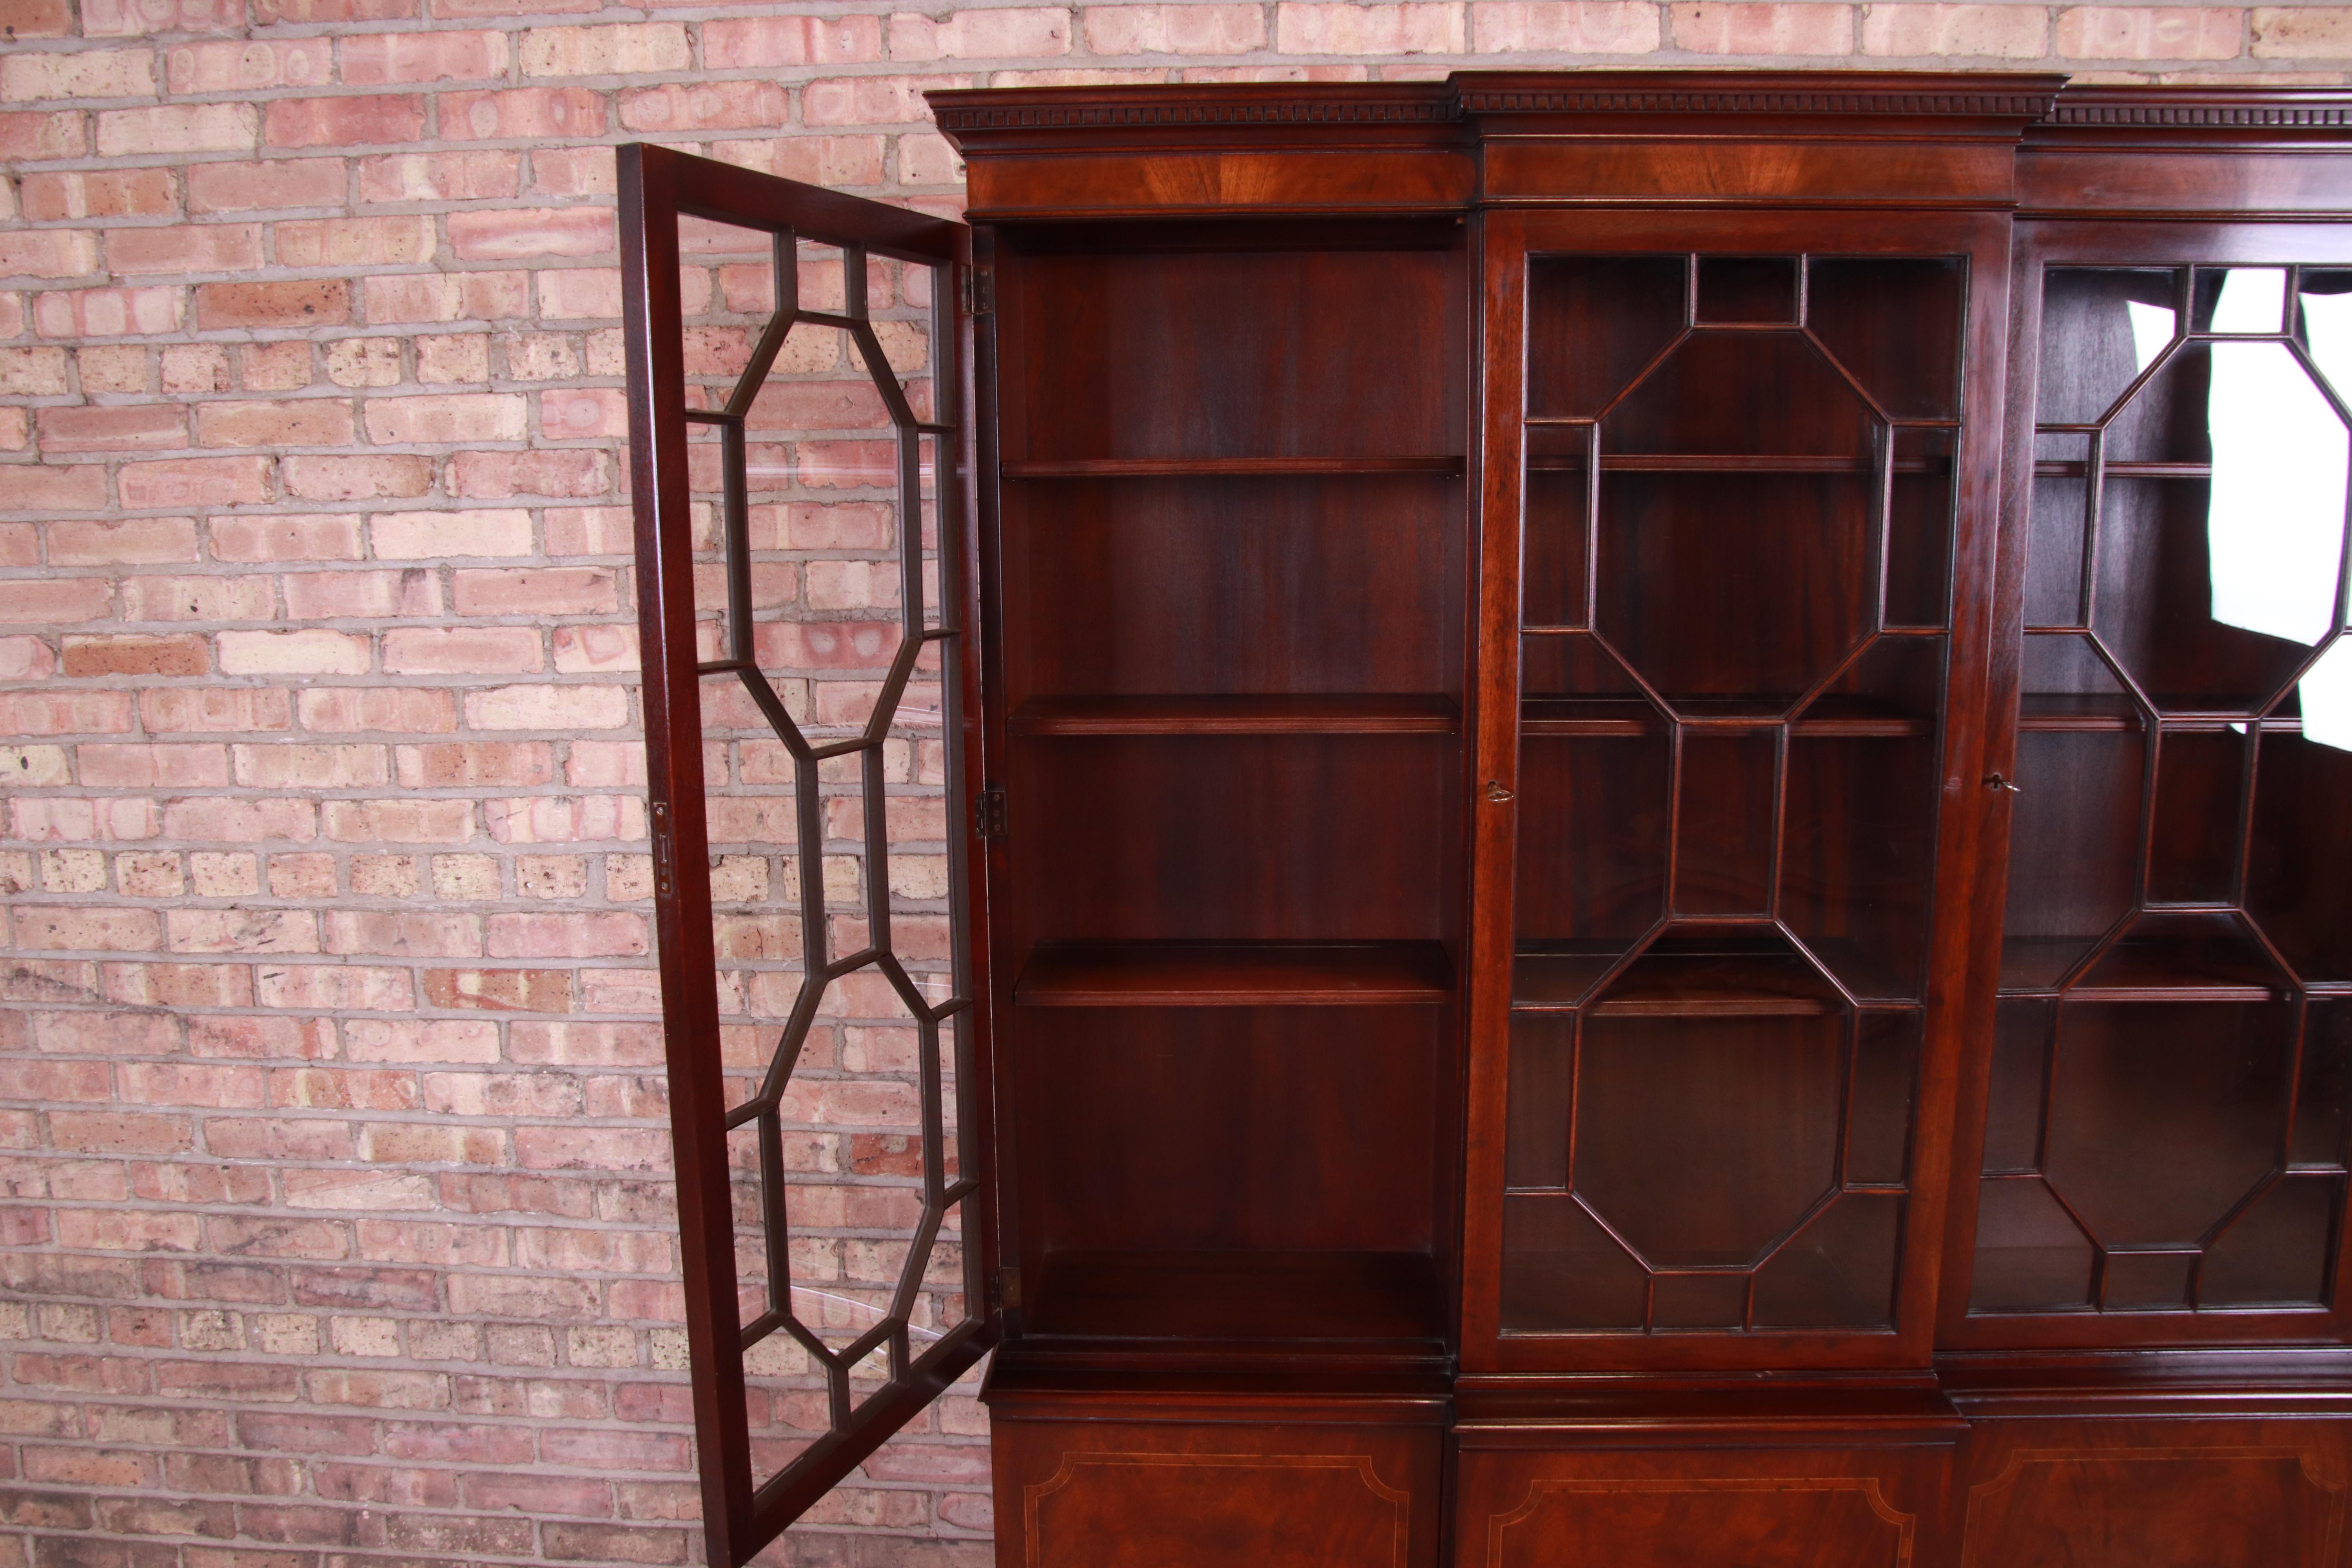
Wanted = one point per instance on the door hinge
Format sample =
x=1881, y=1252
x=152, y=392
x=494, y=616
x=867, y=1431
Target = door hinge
x=978, y=291
x=1006, y=1289
x=665, y=851
x=991, y=818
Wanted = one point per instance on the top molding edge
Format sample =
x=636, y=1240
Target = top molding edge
x=2041, y=104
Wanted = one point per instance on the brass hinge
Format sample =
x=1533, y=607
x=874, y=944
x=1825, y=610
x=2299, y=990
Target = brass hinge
x=991, y=818
x=978, y=291
x=1007, y=1288
x=665, y=851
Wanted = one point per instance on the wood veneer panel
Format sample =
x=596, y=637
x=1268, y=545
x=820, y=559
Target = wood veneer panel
x=1236, y=355
x=1236, y=837
x=1234, y=974
x=1291, y=1295
x=1246, y=713
x=1219, y=468
x=1225, y=1129
x=2155, y=1494
x=1246, y=1480
x=1748, y=1497
x=1232, y=584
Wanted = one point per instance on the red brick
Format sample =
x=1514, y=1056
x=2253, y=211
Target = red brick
x=252, y=187
x=675, y=107
x=107, y=312
x=134, y=428
x=250, y=65
x=742, y=43
x=144, y=541
x=36, y=18
x=100, y=193
x=175, y=129
x=196, y=481
x=499, y=990
x=565, y=472
x=373, y=119
x=330, y=478
x=539, y=590
x=523, y=112
x=48, y=253
x=134, y=18
x=305, y=421
x=1179, y=29
x=872, y=99
x=1754, y=27
x=384, y=60
x=219, y=709
x=584, y=413
x=267, y=11
x=60, y=134
x=519, y=234
x=92, y=656
x=356, y=242
x=305, y=303
x=485, y=174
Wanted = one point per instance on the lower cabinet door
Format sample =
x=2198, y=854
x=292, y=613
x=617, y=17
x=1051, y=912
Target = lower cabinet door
x=2151, y=1493
x=1779, y=1507
x=1165, y=1494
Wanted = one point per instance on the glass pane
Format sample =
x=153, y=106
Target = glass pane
x=1552, y=566
x=2194, y=844
x=825, y=771
x=1866, y=311
x=1595, y=322
x=1839, y=1272
x=1563, y=1273
x=2299, y=877
x=1704, y=1138
x=2100, y=328
x=1919, y=530
x=2030, y=1255
x=2278, y=1252
x=1734, y=580
x=2159, y=1081
x=1723, y=823
x=1748, y=289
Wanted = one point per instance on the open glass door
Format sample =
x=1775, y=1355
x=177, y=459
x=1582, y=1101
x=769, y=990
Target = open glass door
x=795, y=368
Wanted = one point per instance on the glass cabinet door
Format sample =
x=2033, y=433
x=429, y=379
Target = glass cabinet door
x=2164, y=1136
x=1735, y=628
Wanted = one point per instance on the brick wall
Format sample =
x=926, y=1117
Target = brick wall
x=330, y=1127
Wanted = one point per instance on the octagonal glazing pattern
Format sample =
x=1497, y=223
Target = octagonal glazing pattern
x=1734, y=585
x=815, y=460
x=2160, y=1123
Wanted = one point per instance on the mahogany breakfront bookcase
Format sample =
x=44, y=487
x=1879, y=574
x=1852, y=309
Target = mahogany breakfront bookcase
x=1646, y=851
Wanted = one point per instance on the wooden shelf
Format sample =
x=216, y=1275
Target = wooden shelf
x=1829, y=718
x=2069, y=713
x=1590, y=716
x=1728, y=463
x=2062, y=469
x=1219, y=468
x=1716, y=984
x=1334, y=713
x=1235, y=974
x=1554, y=975
x=2172, y=968
x=1285, y=1296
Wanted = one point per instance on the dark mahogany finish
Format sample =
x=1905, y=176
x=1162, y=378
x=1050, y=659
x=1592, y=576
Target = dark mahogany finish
x=1636, y=900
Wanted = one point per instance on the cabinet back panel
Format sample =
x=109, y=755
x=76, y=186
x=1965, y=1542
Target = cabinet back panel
x=1217, y=585
x=1294, y=837
x=1235, y=353
x=1224, y=1128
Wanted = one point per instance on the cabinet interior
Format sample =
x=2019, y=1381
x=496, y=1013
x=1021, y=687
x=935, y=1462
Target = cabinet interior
x=1232, y=538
